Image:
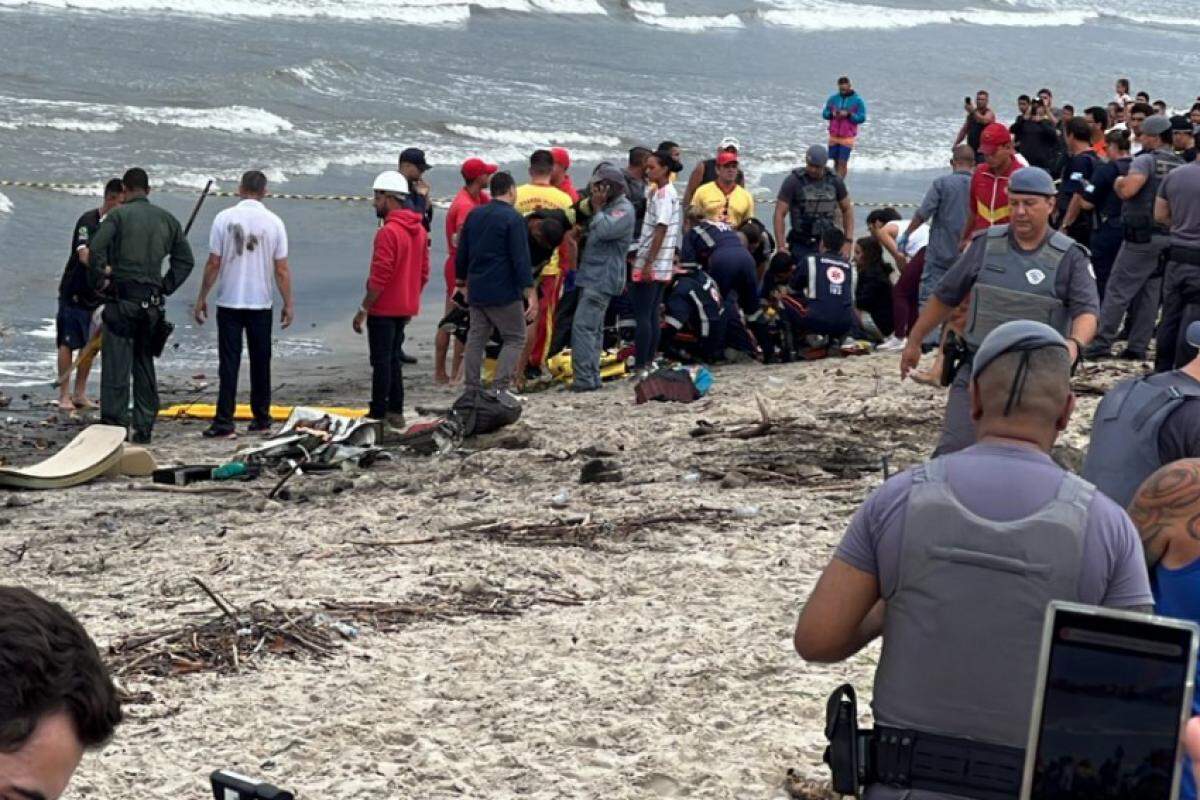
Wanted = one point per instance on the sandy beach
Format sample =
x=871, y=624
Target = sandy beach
x=651, y=656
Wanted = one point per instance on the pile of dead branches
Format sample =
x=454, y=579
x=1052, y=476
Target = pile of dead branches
x=224, y=644
x=480, y=602
x=240, y=638
x=582, y=531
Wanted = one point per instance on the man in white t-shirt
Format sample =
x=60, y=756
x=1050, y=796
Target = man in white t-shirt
x=248, y=250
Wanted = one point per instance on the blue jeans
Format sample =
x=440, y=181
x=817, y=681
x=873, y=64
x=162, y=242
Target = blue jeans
x=930, y=278
x=647, y=313
x=587, y=337
x=385, y=342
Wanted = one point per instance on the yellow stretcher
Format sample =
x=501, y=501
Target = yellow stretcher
x=242, y=411
x=611, y=366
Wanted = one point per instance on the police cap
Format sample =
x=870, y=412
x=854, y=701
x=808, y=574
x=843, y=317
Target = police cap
x=1032, y=180
x=1015, y=336
x=1156, y=125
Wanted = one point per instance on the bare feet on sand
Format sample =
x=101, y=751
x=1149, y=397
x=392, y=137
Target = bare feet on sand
x=933, y=375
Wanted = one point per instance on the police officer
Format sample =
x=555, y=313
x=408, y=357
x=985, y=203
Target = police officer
x=813, y=199
x=1136, y=280
x=953, y=563
x=1142, y=424
x=1178, y=205
x=128, y=251
x=1023, y=270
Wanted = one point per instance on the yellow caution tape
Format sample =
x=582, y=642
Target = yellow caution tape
x=325, y=198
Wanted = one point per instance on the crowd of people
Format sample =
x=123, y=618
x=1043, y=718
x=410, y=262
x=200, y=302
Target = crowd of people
x=1047, y=241
x=953, y=562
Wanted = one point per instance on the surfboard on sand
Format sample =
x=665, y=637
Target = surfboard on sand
x=242, y=412
x=86, y=457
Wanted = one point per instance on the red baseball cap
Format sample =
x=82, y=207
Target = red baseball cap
x=474, y=168
x=993, y=136
x=561, y=157
x=726, y=158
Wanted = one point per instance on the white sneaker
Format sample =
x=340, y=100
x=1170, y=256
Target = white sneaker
x=892, y=345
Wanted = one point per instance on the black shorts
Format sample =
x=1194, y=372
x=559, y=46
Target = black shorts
x=73, y=326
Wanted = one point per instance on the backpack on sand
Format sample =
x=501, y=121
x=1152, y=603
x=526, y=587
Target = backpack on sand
x=485, y=411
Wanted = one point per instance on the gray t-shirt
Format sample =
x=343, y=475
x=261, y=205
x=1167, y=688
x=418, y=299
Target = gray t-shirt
x=1181, y=190
x=1074, y=282
x=1004, y=483
x=946, y=207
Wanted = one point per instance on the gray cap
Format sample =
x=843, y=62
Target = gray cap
x=1018, y=335
x=817, y=156
x=1156, y=125
x=1032, y=180
x=607, y=172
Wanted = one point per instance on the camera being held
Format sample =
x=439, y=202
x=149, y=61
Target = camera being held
x=227, y=785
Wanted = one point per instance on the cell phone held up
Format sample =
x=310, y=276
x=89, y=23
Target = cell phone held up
x=1114, y=691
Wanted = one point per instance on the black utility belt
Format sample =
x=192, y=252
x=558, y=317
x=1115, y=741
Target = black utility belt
x=915, y=760
x=140, y=293
x=1183, y=255
x=908, y=759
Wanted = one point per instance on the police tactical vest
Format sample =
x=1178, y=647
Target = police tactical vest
x=1124, y=447
x=962, y=631
x=1016, y=285
x=1138, y=210
x=812, y=207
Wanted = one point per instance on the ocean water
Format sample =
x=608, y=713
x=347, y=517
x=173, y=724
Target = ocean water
x=322, y=94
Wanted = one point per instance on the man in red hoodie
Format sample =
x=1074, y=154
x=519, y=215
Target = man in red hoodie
x=399, y=271
x=989, y=184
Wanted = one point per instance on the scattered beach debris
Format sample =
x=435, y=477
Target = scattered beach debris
x=239, y=638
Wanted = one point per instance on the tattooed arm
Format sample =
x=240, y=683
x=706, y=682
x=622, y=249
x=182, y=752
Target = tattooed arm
x=1167, y=507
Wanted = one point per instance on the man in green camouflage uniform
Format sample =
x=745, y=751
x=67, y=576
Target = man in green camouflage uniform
x=128, y=251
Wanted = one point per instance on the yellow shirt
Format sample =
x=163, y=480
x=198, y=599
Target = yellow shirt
x=732, y=209
x=532, y=197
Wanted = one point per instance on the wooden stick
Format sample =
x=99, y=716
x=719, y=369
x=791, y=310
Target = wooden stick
x=220, y=603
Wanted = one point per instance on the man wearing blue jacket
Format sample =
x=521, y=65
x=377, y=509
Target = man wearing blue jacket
x=845, y=111
x=600, y=275
x=492, y=269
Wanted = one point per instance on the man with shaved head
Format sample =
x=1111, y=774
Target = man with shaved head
x=953, y=563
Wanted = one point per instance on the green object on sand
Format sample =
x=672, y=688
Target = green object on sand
x=234, y=469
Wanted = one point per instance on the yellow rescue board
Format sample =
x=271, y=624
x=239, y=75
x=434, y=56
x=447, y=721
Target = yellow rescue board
x=242, y=411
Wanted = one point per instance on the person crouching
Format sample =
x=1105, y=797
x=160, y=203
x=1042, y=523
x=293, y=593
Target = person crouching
x=820, y=301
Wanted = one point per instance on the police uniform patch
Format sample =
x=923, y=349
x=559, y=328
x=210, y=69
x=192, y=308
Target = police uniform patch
x=1035, y=276
x=836, y=275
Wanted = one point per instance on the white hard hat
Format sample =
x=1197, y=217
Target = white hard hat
x=391, y=182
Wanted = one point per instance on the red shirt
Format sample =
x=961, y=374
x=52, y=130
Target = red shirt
x=569, y=188
x=399, y=265
x=989, y=195
x=462, y=205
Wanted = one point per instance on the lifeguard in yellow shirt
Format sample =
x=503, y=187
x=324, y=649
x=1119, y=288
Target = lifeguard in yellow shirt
x=723, y=200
